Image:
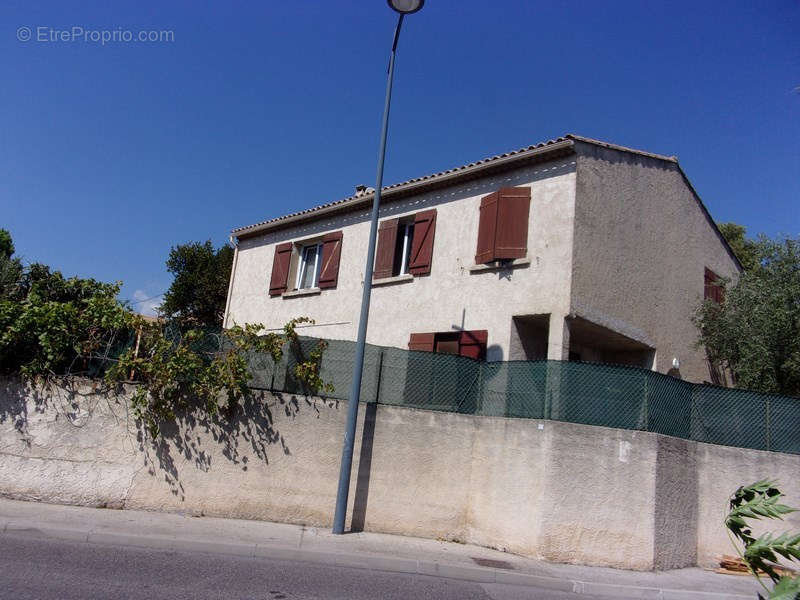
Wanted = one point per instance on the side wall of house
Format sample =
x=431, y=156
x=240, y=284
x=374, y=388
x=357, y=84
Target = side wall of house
x=559, y=491
x=642, y=242
x=451, y=297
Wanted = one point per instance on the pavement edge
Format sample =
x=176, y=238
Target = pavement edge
x=356, y=561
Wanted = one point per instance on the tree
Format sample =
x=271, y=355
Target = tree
x=57, y=326
x=755, y=332
x=6, y=244
x=745, y=249
x=199, y=291
x=10, y=268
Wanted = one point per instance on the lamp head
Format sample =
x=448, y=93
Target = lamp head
x=406, y=7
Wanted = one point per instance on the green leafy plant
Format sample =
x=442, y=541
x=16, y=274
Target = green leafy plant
x=52, y=327
x=761, y=500
x=755, y=333
x=202, y=371
x=10, y=266
x=55, y=326
x=307, y=368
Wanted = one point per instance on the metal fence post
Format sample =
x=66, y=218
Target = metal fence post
x=479, y=399
x=646, y=402
x=547, y=392
x=380, y=377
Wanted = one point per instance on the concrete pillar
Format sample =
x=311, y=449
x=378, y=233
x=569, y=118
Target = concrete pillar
x=558, y=340
x=557, y=350
x=516, y=351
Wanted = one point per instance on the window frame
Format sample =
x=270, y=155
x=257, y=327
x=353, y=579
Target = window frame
x=407, y=226
x=404, y=247
x=292, y=261
x=302, y=263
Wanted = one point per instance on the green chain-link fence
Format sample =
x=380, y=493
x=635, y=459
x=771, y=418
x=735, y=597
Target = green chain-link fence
x=588, y=393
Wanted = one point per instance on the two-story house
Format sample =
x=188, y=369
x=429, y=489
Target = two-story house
x=569, y=249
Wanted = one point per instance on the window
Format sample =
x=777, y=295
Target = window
x=463, y=343
x=446, y=343
x=713, y=288
x=405, y=246
x=503, y=225
x=315, y=264
x=402, y=251
x=309, y=267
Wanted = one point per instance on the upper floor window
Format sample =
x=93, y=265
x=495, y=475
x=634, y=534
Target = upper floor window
x=405, y=245
x=713, y=288
x=402, y=251
x=308, y=264
x=503, y=225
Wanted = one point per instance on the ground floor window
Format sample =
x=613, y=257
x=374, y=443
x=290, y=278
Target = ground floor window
x=471, y=344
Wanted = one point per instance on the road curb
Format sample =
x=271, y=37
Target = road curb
x=358, y=561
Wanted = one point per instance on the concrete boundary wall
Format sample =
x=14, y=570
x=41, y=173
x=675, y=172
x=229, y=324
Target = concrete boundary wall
x=545, y=489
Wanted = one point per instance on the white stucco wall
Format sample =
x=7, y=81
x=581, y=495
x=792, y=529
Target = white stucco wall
x=642, y=242
x=616, y=238
x=451, y=296
x=558, y=491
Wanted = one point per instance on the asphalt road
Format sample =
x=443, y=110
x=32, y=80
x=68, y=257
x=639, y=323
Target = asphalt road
x=43, y=568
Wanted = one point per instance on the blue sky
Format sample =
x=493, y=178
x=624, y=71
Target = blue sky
x=114, y=152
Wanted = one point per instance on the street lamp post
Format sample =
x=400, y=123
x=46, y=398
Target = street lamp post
x=404, y=7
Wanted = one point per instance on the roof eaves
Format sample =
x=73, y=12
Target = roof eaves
x=710, y=219
x=416, y=185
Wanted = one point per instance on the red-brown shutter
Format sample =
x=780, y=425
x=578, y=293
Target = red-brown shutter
x=712, y=290
x=421, y=341
x=486, y=229
x=513, y=209
x=280, y=269
x=708, y=282
x=384, y=256
x=473, y=343
x=422, y=243
x=331, y=254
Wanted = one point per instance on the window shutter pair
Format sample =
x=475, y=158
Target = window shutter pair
x=503, y=225
x=421, y=245
x=329, y=273
x=471, y=344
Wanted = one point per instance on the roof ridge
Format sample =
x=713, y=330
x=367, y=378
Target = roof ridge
x=588, y=140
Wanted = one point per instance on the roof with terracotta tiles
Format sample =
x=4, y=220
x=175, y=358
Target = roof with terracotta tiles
x=540, y=150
